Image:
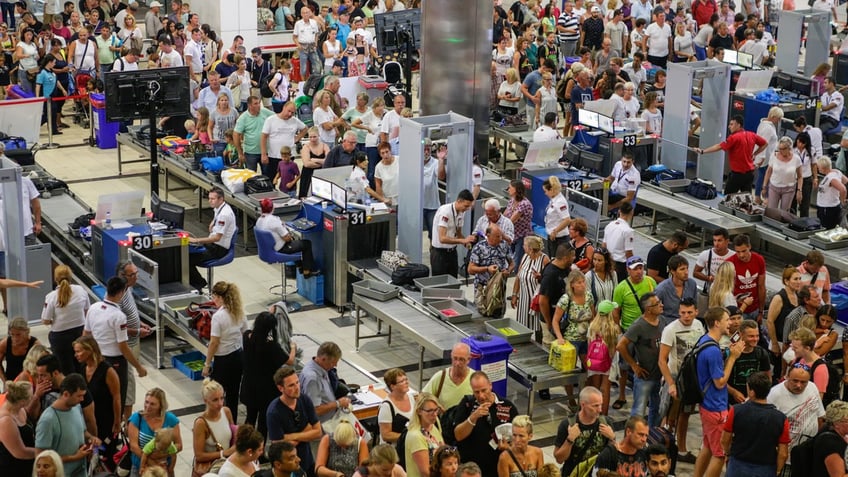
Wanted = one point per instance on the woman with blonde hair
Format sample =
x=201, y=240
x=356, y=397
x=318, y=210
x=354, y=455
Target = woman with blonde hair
x=225, y=342
x=326, y=119
x=382, y=461
x=64, y=311
x=509, y=92
x=15, y=347
x=424, y=435
x=48, y=463
x=522, y=459
x=572, y=316
x=213, y=430
x=602, y=330
x=829, y=449
x=557, y=217
x=340, y=452
x=783, y=180
x=721, y=290
x=17, y=436
x=396, y=411
x=527, y=281
x=30, y=373
x=103, y=385
x=312, y=156
x=142, y=425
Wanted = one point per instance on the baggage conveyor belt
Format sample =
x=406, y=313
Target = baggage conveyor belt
x=527, y=365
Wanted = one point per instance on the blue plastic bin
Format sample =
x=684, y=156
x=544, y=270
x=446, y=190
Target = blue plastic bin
x=311, y=288
x=105, y=132
x=180, y=362
x=490, y=354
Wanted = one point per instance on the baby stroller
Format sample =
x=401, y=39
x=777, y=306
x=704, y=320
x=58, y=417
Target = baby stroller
x=81, y=113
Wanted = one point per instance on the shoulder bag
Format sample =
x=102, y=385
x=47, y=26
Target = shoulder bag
x=199, y=469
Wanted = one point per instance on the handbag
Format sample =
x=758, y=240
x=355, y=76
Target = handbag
x=32, y=73
x=199, y=469
x=200, y=317
x=534, y=303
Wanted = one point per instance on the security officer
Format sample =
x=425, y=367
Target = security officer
x=221, y=234
x=447, y=234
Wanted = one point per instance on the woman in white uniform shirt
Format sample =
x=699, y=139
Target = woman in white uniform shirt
x=64, y=310
x=557, y=217
x=358, y=181
x=228, y=324
x=831, y=195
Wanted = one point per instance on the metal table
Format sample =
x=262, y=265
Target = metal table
x=520, y=137
x=126, y=139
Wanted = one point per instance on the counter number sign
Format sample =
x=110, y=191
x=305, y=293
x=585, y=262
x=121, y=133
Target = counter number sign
x=576, y=184
x=142, y=242
x=629, y=140
x=811, y=102
x=357, y=217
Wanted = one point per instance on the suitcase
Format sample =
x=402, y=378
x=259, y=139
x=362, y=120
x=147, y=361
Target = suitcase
x=22, y=157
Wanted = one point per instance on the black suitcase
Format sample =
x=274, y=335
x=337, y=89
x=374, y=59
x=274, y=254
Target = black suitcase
x=22, y=157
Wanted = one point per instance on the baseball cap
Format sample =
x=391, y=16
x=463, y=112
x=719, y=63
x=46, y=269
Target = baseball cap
x=634, y=262
x=154, y=3
x=607, y=306
x=733, y=310
x=596, y=9
x=343, y=10
x=338, y=63
x=357, y=19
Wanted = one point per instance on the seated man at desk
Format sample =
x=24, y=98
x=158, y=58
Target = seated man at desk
x=489, y=258
x=284, y=241
x=221, y=234
x=624, y=181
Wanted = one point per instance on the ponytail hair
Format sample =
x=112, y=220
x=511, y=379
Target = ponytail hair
x=62, y=277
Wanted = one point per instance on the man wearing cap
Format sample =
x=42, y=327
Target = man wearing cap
x=447, y=234
x=645, y=333
x=338, y=68
x=678, y=337
x=152, y=22
x=592, y=35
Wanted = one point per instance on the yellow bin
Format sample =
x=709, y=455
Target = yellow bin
x=563, y=357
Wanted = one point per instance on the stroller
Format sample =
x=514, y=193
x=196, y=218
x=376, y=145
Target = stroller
x=82, y=112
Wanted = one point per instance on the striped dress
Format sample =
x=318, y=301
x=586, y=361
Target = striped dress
x=529, y=287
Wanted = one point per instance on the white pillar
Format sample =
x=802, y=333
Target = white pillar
x=229, y=18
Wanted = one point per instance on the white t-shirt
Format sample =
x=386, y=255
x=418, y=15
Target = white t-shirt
x=193, y=49
x=384, y=416
x=358, y=181
x=514, y=89
x=555, y=213
x=767, y=131
x=374, y=123
x=391, y=124
x=815, y=140
x=306, y=32
x=803, y=410
x=658, y=39
x=108, y=325
x=72, y=315
x=624, y=181
x=653, y=121
x=171, y=59
x=681, y=339
x=451, y=220
x=784, y=173
x=828, y=195
x=715, y=259
x=389, y=176
x=321, y=116
x=229, y=332
x=822, y=5
x=281, y=132
x=618, y=239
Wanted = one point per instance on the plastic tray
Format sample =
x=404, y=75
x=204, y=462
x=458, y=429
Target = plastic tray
x=799, y=234
x=440, y=294
x=181, y=363
x=726, y=209
x=438, y=281
x=747, y=217
x=675, y=185
x=522, y=334
x=463, y=314
x=774, y=223
x=377, y=290
x=827, y=245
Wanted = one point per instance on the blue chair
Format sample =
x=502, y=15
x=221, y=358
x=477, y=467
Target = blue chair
x=270, y=255
x=210, y=265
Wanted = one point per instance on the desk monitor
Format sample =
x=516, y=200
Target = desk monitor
x=803, y=86
x=572, y=155
x=730, y=57
x=154, y=204
x=171, y=214
x=591, y=160
x=322, y=188
x=120, y=206
x=606, y=124
x=339, y=195
x=783, y=81
x=746, y=60
x=587, y=118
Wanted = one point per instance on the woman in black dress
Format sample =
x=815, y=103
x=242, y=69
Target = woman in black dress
x=17, y=436
x=103, y=384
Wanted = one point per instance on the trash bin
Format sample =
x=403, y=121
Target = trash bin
x=490, y=354
x=839, y=299
x=105, y=133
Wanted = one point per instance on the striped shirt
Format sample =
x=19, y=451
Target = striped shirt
x=569, y=21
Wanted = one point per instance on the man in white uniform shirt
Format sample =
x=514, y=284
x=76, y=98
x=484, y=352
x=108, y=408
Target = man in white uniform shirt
x=624, y=181
x=282, y=129
x=193, y=55
x=447, y=234
x=547, y=131
x=800, y=125
x=832, y=103
x=107, y=324
x=618, y=239
x=222, y=231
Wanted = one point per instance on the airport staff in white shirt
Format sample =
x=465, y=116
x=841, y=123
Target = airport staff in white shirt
x=447, y=234
x=624, y=181
x=221, y=234
x=832, y=103
x=547, y=131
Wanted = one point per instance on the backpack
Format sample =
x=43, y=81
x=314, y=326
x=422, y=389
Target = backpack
x=447, y=422
x=400, y=447
x=264, y=88
x=258, y=184
x=834, y=379
x=703, y=190
x=314, y=84
x=561, y=86
x=688, y=386
x=801, y=455
x=404, y=275
x=598, y=358
x=494, y=295
x=200, y=315
x=584, y=468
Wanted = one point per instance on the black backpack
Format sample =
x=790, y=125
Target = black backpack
x=400, y=447
x=264, y=88
x=404, y=275
x=834, y=379
x=447, y=421
x=688, y=386
x=801, y=455
x=258, y=184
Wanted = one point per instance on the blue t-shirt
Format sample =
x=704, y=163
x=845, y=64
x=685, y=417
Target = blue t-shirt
x=146, y=434
x=283, y=420
x=47, y=80
x=532, y=82
x=710, y=367
x=579, y=96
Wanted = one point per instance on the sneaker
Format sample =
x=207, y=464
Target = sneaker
x=687, y=458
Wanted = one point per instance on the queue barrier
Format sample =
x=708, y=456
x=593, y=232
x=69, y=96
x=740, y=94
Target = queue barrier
x=20, y=114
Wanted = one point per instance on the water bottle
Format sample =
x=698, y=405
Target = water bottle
x=108, y=225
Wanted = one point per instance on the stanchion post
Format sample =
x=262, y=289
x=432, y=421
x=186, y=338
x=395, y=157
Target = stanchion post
x=50, y=144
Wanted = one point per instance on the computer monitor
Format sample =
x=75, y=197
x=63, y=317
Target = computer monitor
x=322, y=188
x=339, y=195
x=745, y=60
x=783, y=81
x=730, y=57
x=132, y=94
x=591, y=160
x=154, y=204
x=171, y=214
x=587, y=118
x=803, y=86
x=120, y=205
x=572, y=155
x=606, y=124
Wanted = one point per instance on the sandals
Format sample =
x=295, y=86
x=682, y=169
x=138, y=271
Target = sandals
x=619, y=403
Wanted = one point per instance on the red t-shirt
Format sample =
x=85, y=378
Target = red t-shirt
x=747, y=274
x=740, y=150
x=702, y=12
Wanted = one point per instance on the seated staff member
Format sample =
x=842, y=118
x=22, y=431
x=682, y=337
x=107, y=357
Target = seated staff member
x=624, y=181
x=447, y=234
x=284, y=241
x=222, y=231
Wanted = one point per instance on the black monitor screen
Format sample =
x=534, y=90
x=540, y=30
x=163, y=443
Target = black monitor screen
x=803, y=86
x=154, y=204
x=133, y=94
x=840, y=69
x=171, y=214
x=783, y=81
x=591, y=160
x=397, y=30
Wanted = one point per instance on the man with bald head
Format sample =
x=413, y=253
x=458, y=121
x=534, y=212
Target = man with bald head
x=488, y=258
x=305, y=35
x=450, y=385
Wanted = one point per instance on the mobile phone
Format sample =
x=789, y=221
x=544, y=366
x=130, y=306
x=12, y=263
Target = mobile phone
x=735, y=338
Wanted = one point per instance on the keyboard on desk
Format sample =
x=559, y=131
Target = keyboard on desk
x=303, y=224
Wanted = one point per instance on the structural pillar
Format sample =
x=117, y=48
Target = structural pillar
x=229, y=18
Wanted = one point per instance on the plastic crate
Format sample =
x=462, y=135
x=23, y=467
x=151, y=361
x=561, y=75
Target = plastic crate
x=311, y=288
x=182, y=361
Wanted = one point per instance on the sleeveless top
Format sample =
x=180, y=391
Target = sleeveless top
x=15, y=364
x=83, y=58
x=784, y=310
x=222, y=432
x=9, y=463
x=344, y=460
x=102, y=400
x=526, y=473
x=312, y=155
x=580, y=252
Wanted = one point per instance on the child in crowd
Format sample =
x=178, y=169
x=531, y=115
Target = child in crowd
x=184, y=11
x=231, y=158
x=550, y=470
x=191, y=129
x=5, y=77
x=203, y=126
x=287, y=172
x=163, y=448
x=652, y=115
x=602, y=331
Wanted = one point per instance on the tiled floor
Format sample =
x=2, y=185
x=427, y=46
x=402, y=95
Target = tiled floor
x=78, y=164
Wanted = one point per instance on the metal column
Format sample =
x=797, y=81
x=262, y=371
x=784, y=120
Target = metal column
x=11, y=198
x=714, y=77
x=459, y=132
x=456, y=51
x=817, y=48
